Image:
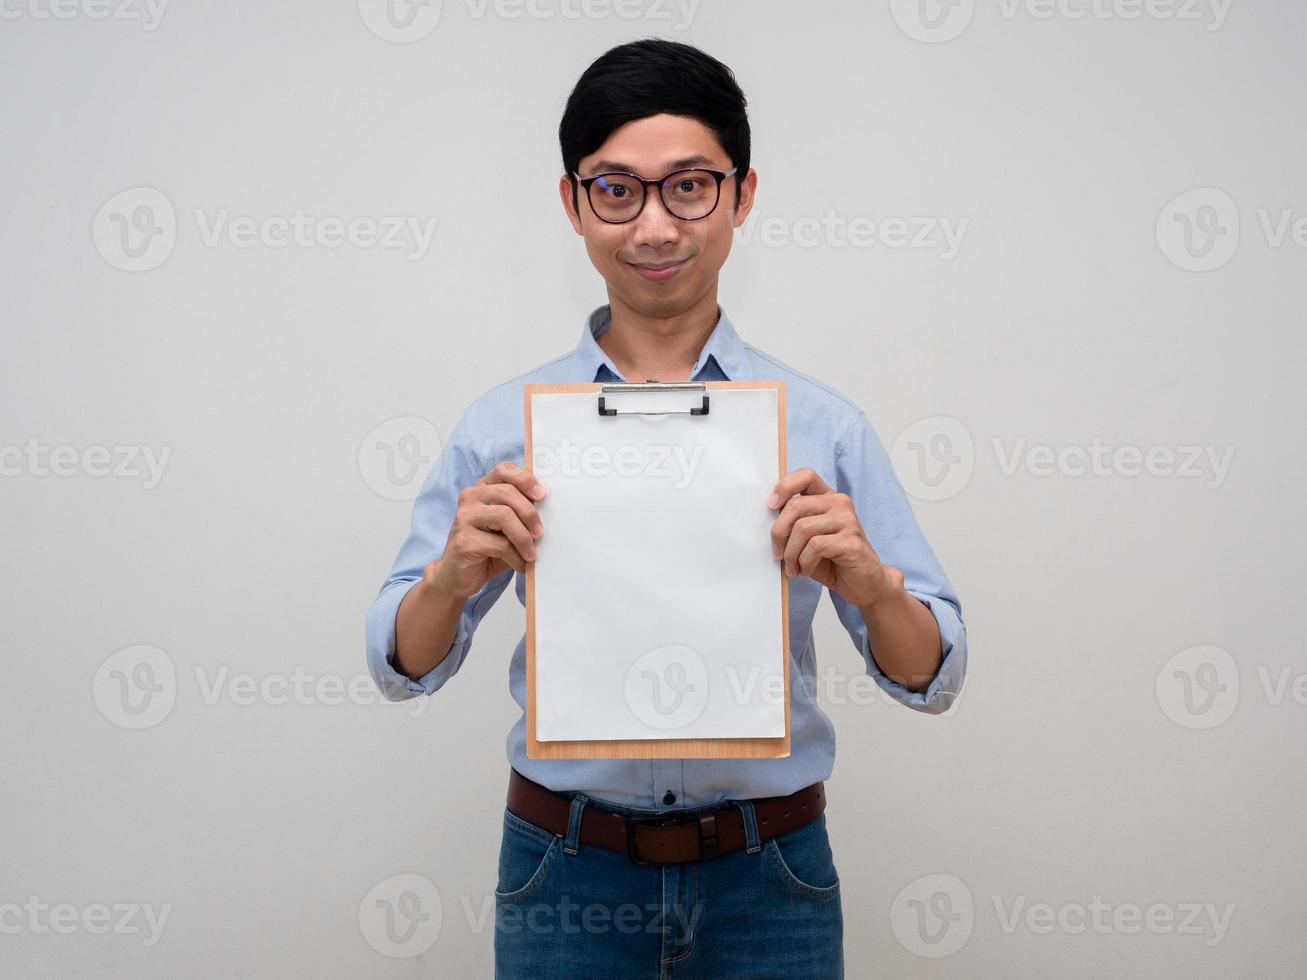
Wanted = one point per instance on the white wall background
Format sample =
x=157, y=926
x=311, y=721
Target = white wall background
x=1084, y=770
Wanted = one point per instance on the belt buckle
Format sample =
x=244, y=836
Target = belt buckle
x=709, y=842
x=633, y=822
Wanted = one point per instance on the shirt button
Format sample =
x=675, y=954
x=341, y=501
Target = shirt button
x=669, y=797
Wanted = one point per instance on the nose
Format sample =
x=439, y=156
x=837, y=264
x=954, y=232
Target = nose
x=655, y=226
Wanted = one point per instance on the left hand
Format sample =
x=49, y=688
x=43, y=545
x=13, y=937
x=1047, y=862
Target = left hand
x=818, y=534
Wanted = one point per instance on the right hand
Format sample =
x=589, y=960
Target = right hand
x=495, y=528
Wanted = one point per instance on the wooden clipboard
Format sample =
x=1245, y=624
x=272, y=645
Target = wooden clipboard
x=655, y=748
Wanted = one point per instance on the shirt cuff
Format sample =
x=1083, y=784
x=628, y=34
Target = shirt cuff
x=393, y=685
x=946, y=685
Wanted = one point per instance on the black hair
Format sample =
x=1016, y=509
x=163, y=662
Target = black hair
x=645, y=78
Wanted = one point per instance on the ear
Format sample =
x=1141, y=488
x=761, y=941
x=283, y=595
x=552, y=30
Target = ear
x=748, y=191
x=565, y=193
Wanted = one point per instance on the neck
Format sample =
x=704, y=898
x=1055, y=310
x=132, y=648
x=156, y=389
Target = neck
x=644, y=346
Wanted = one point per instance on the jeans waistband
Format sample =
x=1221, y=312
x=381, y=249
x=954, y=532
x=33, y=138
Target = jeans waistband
x=644, y=811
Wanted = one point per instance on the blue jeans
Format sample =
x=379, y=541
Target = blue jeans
x=567, y=910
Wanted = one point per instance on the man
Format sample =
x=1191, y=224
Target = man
x=738, y=878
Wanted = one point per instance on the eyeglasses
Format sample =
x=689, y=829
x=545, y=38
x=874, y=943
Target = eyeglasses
x=686, y=194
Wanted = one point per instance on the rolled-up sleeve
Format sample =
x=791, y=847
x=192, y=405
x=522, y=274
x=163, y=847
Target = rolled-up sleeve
x=433, y=515
x=863, y=471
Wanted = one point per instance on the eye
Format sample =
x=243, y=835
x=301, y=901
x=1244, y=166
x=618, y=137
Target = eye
x=690, y=185
x=615, y=186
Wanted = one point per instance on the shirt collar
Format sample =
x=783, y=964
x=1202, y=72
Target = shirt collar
x=723, y=346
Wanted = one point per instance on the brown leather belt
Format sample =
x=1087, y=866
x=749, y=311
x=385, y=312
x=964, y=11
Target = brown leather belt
x=669, y=839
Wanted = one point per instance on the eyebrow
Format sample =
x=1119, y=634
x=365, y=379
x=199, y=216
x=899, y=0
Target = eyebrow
x=685, y=163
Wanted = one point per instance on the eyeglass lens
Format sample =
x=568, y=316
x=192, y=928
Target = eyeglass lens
x=687, y=194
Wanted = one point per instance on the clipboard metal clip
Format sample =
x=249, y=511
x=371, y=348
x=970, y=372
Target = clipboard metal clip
x=653, y=385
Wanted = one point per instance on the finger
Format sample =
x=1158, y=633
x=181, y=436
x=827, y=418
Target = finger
x=509, y=495
x=491, y=545
x=803, y=480
x=794, y=509
x=509, y=472
x=822, y=547
x=805, y=529
x=502, y=518
x=474, y=546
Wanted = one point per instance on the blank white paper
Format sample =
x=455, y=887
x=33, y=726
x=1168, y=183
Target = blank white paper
x=657, y=599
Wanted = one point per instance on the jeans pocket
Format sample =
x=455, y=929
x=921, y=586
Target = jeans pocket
x=525, y=853
x=803, y=860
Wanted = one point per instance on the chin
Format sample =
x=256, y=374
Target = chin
x=666, y=304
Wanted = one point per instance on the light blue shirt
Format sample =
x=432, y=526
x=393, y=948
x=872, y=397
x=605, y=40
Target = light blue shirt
x=824, y=431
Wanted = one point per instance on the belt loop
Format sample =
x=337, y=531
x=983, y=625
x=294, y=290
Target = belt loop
x=572, y=843
x=750, y=826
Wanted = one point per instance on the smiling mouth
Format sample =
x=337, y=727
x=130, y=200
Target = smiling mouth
x=659, y=272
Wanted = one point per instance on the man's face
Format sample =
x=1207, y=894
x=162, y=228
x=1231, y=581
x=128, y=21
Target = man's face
x=689, y=252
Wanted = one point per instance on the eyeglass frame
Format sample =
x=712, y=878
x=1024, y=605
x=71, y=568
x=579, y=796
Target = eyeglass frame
x=718, y=175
